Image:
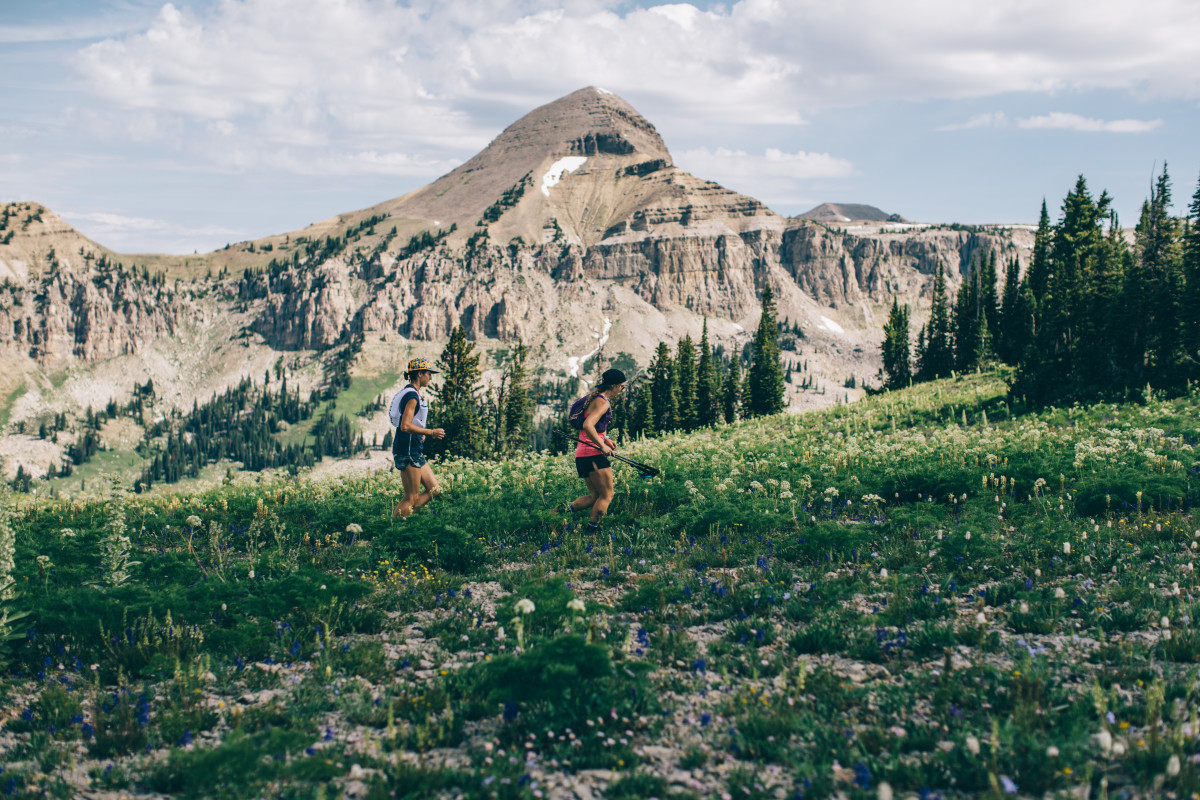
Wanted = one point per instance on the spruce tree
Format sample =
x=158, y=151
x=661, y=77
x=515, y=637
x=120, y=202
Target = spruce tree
x=457, y=407
x=1012, y=333
x=731, y=392
x=1038, y=274
x=518, y=409
x=938, y=355
x=764, y=381
x=1158, y=252
x=897, y=365
x=664, y=389
x=708, y=383
x=685, y=367
x=1190, y=308
x=966, y=322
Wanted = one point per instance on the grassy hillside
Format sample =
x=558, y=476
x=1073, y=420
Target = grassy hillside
x=917, y=589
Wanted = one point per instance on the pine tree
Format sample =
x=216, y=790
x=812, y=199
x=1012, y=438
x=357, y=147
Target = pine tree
x=708, y=383
x=1038, y=275
x=1012, y=333
x=664, y=389
x=938, y=355
x=731, y=392
x=966, y=322
x=897, y=365
x=764, y=381
x=1158, y=251
x=457, y=408
x=518, y=410
x=1190, y=308
x=685, y=367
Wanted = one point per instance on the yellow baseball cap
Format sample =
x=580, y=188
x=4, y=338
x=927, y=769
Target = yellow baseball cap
x=418, y=364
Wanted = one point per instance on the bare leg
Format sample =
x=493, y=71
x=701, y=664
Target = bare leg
x=432, y=489
x=600, y=481
x=410, y=476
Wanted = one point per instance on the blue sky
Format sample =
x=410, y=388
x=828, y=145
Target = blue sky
x=174, y=127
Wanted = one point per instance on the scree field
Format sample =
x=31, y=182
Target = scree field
x=922, y=594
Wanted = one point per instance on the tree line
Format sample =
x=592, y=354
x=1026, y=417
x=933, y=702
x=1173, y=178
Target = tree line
x=1095, y=315
x=687, y=387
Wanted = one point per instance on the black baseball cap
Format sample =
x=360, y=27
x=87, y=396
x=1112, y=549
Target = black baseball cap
x=612, y=377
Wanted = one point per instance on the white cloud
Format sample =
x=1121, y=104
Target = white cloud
x=776, y=177
x=1059, y=120
x=108, y=223
x=992, y=119
x=376, y=67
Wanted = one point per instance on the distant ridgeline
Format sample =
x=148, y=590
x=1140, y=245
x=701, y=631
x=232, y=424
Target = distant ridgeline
x=1093, y=317
x=242, y=424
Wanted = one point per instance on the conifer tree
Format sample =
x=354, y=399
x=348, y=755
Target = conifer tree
x=1159, y=257
x=518, y=410
x=1190, y=308
x=731, y=392
x=966, y=322
x=664, y=389
x=938, y=356
x=764, y=381
x=457, y=407
x=1038, y=275
x=685, y=367
x=897, y=365
x=708, y=384
x=1012, y=333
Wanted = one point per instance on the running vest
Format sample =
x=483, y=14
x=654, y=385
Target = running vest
x=406, y=441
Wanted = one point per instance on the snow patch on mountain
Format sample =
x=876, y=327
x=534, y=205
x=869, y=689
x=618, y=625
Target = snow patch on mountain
x=555, y=173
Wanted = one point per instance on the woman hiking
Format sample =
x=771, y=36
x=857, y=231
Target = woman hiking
x=593, y=446
x=409, y=413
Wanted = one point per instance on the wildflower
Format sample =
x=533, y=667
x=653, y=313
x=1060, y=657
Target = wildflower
x=1059, y=594
x=980, y=618
x=525, y=606
x=883, y=573
x=1024, y=608
x=576, y=604
x=1007, y=784
x=193, y=521
x=354, y=528
x=1164, y=623
x=1173, y=765
x=1052, y=752
x=1104, y=741
x=1066, y=548
x=884, y=792
x=972, y=745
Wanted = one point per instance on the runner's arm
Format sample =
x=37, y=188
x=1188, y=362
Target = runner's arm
x=408, y=426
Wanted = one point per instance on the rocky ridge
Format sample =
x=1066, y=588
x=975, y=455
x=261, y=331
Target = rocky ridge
x=573, y=231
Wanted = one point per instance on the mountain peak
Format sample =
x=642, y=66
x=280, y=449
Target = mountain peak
x=588, y=122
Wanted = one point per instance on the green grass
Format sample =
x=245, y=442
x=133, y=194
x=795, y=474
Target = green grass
x=7, y=404
x=362, y=391
x=815, y=603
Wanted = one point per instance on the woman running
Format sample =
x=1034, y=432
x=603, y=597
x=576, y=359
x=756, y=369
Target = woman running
x=409, y=412
x=594, y=447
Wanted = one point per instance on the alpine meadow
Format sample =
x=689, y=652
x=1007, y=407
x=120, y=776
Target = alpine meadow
x=972, y=577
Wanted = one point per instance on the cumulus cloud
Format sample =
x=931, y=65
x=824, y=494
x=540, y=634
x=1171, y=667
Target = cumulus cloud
x=775, y=177
x=423, y=70
x=1059, y=120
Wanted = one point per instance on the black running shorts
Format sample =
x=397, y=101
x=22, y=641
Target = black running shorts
x=585, y=464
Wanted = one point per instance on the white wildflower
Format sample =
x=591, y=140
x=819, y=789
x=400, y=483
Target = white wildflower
x=525, y=606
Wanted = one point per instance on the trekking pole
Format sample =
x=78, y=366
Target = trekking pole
x=646, y=470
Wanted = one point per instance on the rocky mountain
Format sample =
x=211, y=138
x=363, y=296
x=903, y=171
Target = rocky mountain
x=849, y=212
x=572, y=230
